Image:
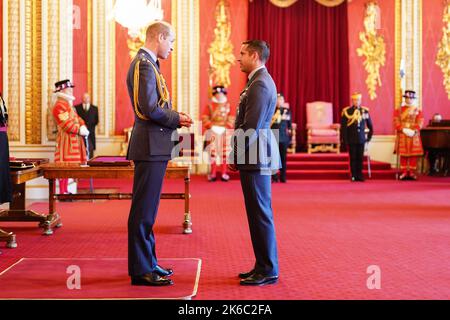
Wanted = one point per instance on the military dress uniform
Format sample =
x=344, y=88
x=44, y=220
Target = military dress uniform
x=70, y=147
x=217, y=123
x=5, y=175
x=408, y=121
x=282, y=122
x=151, y=146
x=353, y=125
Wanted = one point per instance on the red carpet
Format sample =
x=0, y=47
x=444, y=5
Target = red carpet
x=329, y=166
x=99, y=279
x=329, y=232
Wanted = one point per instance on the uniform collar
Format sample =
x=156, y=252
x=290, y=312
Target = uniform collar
x=250, y=76
x=151, y=53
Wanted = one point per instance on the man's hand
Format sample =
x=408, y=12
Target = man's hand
x=232, y=167
x=185, y=120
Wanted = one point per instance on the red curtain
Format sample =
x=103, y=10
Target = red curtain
x=309, y=58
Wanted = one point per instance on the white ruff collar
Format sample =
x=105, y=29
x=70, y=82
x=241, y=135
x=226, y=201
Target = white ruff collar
x=65, y=96
x=221, y=100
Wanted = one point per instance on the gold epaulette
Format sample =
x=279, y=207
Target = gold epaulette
x=160, y=84
x=343, y=110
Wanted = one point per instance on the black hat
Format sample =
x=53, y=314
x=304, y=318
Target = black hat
x=219, y=89
x=63, y=84
x=410, y=94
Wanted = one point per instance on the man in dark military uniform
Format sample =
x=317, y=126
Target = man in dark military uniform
x=282, y=122
x=354, y=121
x=151, y=147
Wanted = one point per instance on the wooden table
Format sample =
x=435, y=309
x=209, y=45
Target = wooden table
x=17, y=210
x=54, y=171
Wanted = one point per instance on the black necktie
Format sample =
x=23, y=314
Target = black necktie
x=157, y=62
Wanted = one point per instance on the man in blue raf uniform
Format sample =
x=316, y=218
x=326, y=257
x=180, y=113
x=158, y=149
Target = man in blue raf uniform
x=151, y=146
x=255, y=154
x=353, y=126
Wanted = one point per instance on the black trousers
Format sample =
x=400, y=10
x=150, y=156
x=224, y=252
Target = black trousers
x=356, y=152
x=283, y=156
x=147, y=185
x=5, y=175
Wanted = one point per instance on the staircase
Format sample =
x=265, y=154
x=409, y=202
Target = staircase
x=330, y=166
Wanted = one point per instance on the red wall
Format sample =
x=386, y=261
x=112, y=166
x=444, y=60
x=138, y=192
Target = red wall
x=80, y=62
x=381, y=109
x=239, y=14
x=435, y=97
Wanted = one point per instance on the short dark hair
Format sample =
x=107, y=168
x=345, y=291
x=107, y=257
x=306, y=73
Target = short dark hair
x=259, y=46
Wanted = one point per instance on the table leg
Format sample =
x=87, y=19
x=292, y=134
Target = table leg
x=187, y=224
x=18, y=212
x=9, y=238
x=53, y=219
x=19, y=197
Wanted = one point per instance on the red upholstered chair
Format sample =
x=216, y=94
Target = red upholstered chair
x=323, y=134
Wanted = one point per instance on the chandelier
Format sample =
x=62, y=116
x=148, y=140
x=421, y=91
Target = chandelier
x=136, y=15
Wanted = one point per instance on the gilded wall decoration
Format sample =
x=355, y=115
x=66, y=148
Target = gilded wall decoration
x=373, y=48
x=221, y=56
x=12, y=87
x=443, y=55
x=288, y=3
x=33, y=71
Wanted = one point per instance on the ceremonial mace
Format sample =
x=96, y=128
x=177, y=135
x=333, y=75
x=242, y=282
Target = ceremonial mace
x=88, y=155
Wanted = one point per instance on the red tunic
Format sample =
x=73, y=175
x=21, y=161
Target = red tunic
x=218, y=114
x=69, y=144
x=408, y=117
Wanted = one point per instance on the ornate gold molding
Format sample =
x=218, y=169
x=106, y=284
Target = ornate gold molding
x=174, y=64
x=33, y=71
x=373, y=48
x=221, y=49
x=112, y=77
x=283, y=3
x=186, y=60
x=330, y=3
x=13, y=82
x=53, y=62
x=408, y=48
x=89, y=46
x=288, y=3
x=398, y=53
x=443, y=55
x=103, y=65
x=98, y=65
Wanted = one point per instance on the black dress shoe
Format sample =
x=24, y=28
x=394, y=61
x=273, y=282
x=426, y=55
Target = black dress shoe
x=245, y=275
x=257, y=279
x=150, y=279
x=163, y=272
x=360, y=179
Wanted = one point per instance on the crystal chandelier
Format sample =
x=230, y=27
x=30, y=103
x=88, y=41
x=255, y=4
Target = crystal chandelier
x=136, y=15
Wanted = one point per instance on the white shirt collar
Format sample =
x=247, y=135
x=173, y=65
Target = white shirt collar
x=150, y=52
x=254, y=71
